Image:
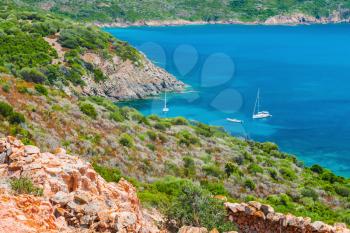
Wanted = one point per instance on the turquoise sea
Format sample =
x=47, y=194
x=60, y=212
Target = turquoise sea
x=303, y=73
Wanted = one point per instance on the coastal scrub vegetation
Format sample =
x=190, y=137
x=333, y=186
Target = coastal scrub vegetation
x=205, y=10
x=121, y=142
x=45, y=48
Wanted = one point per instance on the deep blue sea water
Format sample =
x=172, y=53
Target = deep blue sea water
x=303, y=73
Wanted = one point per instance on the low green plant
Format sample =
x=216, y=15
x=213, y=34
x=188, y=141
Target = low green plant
x=24, y=185
x=16, y=118
x=6, y=110
x=186, y=138
x=41, y=89
x=88, y=109
x=126, y=140
x=249, y=184
x=6, y=88
x=108, y=173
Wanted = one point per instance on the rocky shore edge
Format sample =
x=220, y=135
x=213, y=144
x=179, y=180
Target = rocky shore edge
x=287, y=20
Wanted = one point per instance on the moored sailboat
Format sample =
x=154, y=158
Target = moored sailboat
x=257, y=114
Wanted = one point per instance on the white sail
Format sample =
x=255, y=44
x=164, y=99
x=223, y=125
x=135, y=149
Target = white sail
x=165, y=108
x=257, y=114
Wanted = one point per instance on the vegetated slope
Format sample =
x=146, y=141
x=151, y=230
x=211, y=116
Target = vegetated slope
x=44, y=48
x=206, y=10
x=171, y=160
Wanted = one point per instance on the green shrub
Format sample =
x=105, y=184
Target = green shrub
x=215, y=188
x=204, y=130
x=255, y=168
x=152, y=147
x=99, y=76
x=287, y=173
x=179, y=121
x=273, y=173
x=22, y=89
x=107, y=173
x=195, y=206
x=213, y=170
x=88, y=109
x=230, y=168
x=126, y=140
x=186, y=138
x=308, y=192
x=6, y=110
x=117, y=116
x=160, y=126
x=162, y=138
x=24, y=185
x=342, y=190
x=189, y=166
x=16, y=118
x=317, y=169
x=32, y=75
x=268, y=147
x=249, y=184
x=41, y=89
x=6, y=88
x=152, y=135
x=154, y=117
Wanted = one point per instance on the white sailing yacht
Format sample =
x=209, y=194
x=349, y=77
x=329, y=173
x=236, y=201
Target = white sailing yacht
x=165, y=108
x=259, y=114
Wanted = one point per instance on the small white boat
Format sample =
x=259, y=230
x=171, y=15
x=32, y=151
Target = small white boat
x=165, y=108
x=234, y=120
x=257, y=114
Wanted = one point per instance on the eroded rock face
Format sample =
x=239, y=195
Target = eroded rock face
x=300, y=18
x=128, y=81
x=259, y=218
x=75, y=197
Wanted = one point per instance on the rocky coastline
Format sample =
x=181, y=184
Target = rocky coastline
x=287, y=20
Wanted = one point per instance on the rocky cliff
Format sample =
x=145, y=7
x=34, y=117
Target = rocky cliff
x=74, y=198
x=259, y=218
x=300, y=18
x=125, y=80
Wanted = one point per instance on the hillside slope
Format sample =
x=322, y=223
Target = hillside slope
x=205, y=10
x=47, y=49
x=164, y=157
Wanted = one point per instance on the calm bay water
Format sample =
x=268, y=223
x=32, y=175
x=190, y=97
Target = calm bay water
x=303, y=74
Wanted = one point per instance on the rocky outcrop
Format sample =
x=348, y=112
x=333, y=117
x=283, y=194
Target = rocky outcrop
x=300, y=18
x=128, y=81
x=259, y=218
x=75, y=198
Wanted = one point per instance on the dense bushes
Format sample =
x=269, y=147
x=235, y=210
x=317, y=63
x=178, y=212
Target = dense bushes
x=89, y=37
x=88, y=109
x=41, y=89
x=7, y=112
x=187, y=203
x=23, y=50
x=32, y=75
x=186, y=138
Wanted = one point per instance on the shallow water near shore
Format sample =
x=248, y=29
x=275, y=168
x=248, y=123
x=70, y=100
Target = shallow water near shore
x=303, y=73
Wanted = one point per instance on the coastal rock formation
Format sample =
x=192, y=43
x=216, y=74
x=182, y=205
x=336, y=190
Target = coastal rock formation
x=300, y=18
x=256, y=217
x=128, y=81
x=75, y=198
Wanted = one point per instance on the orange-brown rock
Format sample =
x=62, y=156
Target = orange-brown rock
x=75, y=197
x=259, y=218
x=189, y=229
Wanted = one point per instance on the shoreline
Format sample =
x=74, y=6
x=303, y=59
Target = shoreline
x=279, y=20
